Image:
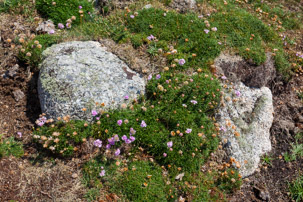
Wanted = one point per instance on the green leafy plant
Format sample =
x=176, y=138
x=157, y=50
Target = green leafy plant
x=296, y=188
x=9, y=147
x=267, y=159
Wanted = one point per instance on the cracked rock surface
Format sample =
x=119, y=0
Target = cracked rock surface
x=245, y=119
x=76, y=75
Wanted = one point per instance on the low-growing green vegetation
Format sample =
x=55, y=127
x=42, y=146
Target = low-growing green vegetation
x=61, y=10
x=296, y=188
x=8, y=146
x=296, y=149
x=32, y=48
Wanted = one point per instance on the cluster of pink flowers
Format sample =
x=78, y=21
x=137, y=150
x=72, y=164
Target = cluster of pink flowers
x=41, y=121
x=151, y=37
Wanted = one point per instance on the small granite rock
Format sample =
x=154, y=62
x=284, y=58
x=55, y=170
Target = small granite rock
x=245, y=122
x=183, y=5
x=45, y=26
x=76, y=75
x=11, y=72
x=18, y=95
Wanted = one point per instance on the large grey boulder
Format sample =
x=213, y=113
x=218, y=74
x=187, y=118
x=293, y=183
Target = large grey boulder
x=76, y=75
x=245, y=120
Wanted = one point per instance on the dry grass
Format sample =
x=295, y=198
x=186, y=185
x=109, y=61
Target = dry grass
x=20, y=180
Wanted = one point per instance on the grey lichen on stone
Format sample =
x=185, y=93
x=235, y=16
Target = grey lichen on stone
x=245, y=119
x=76, y=75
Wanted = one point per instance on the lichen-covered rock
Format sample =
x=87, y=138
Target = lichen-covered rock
x=76, y=75
x=245, y=119
x=183, y=5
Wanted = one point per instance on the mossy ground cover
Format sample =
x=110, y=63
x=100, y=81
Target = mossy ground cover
x=172, y=123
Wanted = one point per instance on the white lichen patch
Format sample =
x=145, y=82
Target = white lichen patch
x=245, y=120
x=76, y=75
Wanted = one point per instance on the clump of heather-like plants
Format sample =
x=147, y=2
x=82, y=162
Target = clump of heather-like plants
x=171, y=123
x=31, y=48
x=61, y=10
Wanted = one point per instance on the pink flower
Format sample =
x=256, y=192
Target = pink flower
x=80, y=7
x=117, y=152
x=194, y=102
x=164, y=154
x=188, y=130
x=119, y=122
x=60, y=26
x=149, y=77
x=143, y=124
x=126, y=97
x=68, y=25
x=206, y=31
x=181, y=62
x=223, y=128
x=98, y=143
x=158, y=76
x=102, y=173
x=132, y=16
x=94, y=113
x=51, y=31
x=237, y=93
x=124, y=137
x=19, y=134
x=151, y=37
x=132, y=138
x=170, y=144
